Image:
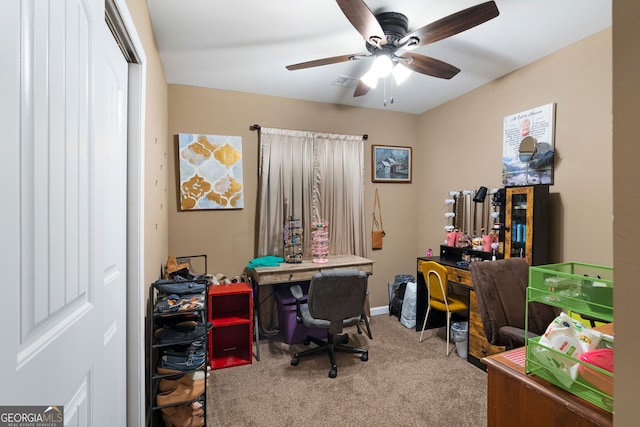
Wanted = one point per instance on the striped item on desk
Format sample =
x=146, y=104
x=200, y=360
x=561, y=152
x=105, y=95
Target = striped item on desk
x=517, y=355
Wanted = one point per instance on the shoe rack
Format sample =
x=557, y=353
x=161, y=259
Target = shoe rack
x=231, y=314
x=179, y=359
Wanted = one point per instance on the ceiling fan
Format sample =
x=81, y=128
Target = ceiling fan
x=389, y=42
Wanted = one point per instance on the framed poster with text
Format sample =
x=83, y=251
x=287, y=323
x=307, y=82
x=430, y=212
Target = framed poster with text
x=537, y=126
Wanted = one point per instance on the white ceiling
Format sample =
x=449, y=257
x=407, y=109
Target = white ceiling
x=244, y=45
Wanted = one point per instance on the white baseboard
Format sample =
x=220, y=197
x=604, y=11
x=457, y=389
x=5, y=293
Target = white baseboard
x=376, y=311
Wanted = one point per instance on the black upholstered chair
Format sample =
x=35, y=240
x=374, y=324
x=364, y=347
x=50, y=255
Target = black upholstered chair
x=336, y=299
x=501, y=290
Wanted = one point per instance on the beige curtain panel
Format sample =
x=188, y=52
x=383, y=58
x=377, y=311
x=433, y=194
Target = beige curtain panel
x=311, y=176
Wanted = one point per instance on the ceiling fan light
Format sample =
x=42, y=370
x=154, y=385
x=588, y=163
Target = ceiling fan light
x=370, y=78
x=400, y=73
x=382, y=66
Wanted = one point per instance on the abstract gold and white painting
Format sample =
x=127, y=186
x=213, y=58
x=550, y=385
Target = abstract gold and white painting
x=210, y=172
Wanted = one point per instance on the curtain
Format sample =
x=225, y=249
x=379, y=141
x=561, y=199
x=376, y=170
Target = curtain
x=285, y=181
x=310, y=176
x=339, y=191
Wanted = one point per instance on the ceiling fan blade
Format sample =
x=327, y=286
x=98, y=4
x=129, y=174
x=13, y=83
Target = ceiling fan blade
x=363, y=20
x=325, y=61
x=452, y=24
x=429, y=66
x=361, y=89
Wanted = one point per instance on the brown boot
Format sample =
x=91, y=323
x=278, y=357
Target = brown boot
x=181, y=393
x=177, y=416
x=196, y=421
x=173, y=266
x=188, y=379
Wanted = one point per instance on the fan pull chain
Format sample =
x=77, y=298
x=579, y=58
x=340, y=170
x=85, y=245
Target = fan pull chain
x=391, y=86
x=384, y=90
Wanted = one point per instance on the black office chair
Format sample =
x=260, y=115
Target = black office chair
x=500, y=288
x=336, y=299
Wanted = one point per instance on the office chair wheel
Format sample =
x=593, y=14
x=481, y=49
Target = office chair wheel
x=333, y=373
x=295, y=361
x=307, y=341
x=364, y=357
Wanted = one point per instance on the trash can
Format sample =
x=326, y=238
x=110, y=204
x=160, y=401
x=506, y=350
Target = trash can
x=459, y=332
x=293, y=332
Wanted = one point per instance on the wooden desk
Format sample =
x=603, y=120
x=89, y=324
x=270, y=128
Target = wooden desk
x=300, y=272
x=285, y=273
x=517, y=399
x=478, y=345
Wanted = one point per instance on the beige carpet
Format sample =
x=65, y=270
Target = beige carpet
x=404, y=383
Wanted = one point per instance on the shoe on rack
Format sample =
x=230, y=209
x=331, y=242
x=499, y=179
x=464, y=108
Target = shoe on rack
x=181, y=416
x=173, y=370
x=187, y=364
x=197, y=409
x=223, y=279
x=199, y=375
x=181, y=393
x=213, y=280
x=183, y=326
x=184, y=419
x=172, y=267
x=175, y=336
x=197, y=421
x=187, y=380
x=182, y=354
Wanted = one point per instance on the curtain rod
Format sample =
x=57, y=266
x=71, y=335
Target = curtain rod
x=257, y=127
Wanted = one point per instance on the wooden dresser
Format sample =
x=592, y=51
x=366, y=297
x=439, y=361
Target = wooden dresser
x=518, y=399
x=459, y=278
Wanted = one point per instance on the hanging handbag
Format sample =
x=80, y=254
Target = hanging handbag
x=377, y=232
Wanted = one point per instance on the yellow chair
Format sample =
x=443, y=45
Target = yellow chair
x=435, y=278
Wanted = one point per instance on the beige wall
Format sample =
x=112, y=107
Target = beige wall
x=156, y=223
x=456, y=146
x=227, y=237
x=583, y=139
x=577, y=79
x=461, y=147
x=626, y=180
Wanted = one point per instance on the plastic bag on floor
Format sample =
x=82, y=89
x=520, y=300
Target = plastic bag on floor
x=408, y=317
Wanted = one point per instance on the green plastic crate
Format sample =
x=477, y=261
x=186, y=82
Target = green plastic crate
x=581, y=288
x=549, y=364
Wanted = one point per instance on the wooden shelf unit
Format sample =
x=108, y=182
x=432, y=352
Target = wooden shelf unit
x=527, y=207
x=231, y=314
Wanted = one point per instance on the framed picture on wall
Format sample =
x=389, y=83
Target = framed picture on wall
x=390, y=163
x=210, y=169
x=528, y=147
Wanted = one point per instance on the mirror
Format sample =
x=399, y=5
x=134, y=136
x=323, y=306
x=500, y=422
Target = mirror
x=468, y=213
x=527, y=149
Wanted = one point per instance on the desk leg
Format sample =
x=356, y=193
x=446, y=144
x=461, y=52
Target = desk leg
x=257, y=335
x=256, y=317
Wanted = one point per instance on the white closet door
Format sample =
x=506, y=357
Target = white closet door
x=63, y=224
